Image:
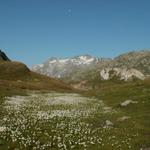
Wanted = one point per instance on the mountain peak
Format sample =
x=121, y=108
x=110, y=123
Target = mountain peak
x=87, y=56
x=60, y=67
x=78, y=60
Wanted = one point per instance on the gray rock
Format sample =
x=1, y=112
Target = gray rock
x=123, y=118
x=121, y=74
x=108, y=123
x=3, y=56
x=127, y=102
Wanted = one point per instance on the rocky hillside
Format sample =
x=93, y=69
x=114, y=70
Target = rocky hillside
x=138, y=60
x=124, y=67
x=121, y=74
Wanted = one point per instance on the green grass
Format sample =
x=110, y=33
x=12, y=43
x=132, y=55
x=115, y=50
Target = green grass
x=114, y=93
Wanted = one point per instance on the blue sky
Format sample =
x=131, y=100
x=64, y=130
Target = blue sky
x=33, y=30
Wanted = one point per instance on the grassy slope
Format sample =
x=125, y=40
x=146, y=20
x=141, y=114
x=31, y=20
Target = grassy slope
x=15, y=77
x=113, y=93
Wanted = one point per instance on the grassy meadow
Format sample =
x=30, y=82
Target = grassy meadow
x=84, y=120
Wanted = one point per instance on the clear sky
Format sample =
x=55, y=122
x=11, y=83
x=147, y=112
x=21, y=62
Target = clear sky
x=33, y=30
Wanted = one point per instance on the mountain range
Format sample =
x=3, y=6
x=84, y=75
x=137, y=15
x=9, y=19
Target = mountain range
x=79, y=71
x=127, y=66
x=59, y=67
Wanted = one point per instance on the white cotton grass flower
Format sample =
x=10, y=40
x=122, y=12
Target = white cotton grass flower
x=2, y=129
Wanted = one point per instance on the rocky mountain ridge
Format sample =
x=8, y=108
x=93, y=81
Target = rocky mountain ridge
x=124, y=67
x=59, y=67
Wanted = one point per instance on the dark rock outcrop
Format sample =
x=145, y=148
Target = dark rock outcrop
x=3, y=56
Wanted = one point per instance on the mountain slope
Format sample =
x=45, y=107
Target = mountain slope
x=16, y=75
x=13, y=70
x=139, y=60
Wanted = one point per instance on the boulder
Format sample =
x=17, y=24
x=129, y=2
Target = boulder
x=127, y=102
x=108, y=124
x=123, y=118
